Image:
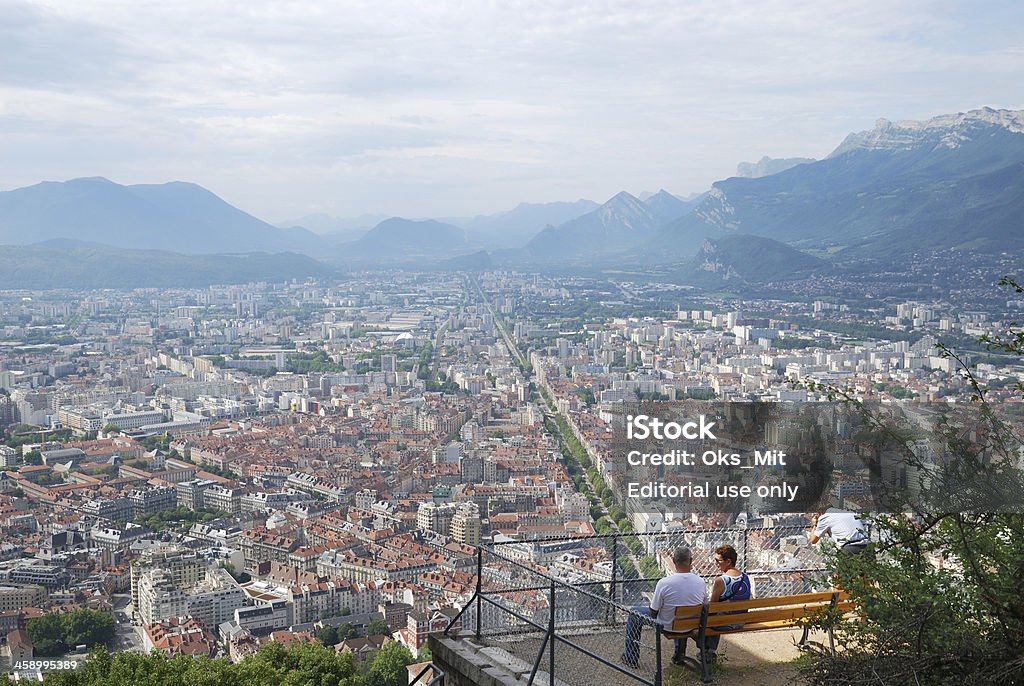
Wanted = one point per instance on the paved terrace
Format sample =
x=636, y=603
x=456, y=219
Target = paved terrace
x=761, y=658
x=559, y=591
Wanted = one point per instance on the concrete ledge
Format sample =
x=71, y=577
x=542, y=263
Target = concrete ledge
x=467, y=664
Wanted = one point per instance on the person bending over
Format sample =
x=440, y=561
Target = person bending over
x=845, y=528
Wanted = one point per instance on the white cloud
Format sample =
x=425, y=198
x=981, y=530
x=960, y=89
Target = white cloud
x=423, y=108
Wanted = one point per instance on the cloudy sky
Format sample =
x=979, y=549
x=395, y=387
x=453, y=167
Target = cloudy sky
x=454, y=108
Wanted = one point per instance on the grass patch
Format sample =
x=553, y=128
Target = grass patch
x=677, y=675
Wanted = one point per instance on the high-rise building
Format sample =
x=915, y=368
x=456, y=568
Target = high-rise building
x=435, y=517
x=169, y=581
x=466, y=525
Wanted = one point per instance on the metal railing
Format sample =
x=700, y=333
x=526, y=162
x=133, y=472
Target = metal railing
x=430, y=675
x=574, y=595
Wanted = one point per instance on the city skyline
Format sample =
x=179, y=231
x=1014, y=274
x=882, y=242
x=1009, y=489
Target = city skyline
x=441, y=111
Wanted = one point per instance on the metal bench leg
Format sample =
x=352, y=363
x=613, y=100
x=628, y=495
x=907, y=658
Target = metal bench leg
x=705, y=673
x=831, y=639
x=802, y=645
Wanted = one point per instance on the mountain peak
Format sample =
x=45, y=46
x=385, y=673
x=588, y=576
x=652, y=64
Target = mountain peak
x=663, y=194
x=91, y=179
x=946, y=130
x=79, y=182
x=624, y=197
x=625, y=207
x=952, y=181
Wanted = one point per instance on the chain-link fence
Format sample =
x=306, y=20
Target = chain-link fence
x=574, y=596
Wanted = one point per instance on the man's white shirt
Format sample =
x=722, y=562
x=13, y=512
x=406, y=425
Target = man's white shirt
x=677, y=590
x=844, y=526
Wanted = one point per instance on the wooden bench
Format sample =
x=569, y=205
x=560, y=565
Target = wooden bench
x=761, y=614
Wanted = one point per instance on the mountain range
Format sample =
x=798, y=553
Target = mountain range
x=951, y=182
x=514, y=228
x=955, y=181
x=177, y=216
x=615, y=227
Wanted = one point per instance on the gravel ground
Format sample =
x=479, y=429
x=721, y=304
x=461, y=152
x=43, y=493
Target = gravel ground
x=760, y=658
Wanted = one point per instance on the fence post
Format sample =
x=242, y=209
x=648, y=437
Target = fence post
x=744, y=565
x=551, y=637
x=657, y=653
x=479, y=585
x=615, y=566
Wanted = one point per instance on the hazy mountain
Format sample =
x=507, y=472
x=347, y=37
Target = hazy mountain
x=665, y=207
x=478, y=261
x=518, y=225
x=407, y=239
x=748, y=259
x=175, y=216
x=767, y=166
x=615, y=226
x=646, y=195
x=619, y=225
x=71, y=264
x=325, y=224
x=954, y=181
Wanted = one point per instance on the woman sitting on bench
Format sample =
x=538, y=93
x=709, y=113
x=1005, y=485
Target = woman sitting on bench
x=731, y=585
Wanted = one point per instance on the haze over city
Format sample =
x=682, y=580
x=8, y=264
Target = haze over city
x=434, y=109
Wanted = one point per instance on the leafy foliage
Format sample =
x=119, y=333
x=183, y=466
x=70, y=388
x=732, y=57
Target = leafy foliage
x=56, y=633
x=388, y=666
x=328, y=635
x=318, y=362
x=940, y=601
x=47, y=634
x=378, y=627
x=301, y=664
x=178, y=516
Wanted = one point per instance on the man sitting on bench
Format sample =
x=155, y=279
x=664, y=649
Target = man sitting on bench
x=676, y=590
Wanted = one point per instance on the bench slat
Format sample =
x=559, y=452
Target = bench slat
x=782, y=611
x=683, y=625
x=770, y=615
x=759, y=626
x=774, y=601
x=777, y=624
x=777, y=601
x=793, y=613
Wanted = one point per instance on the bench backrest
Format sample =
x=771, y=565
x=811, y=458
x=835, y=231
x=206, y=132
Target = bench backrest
x=787, y=608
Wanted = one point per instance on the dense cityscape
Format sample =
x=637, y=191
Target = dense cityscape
x=215, y=469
